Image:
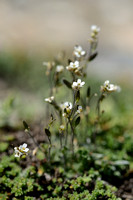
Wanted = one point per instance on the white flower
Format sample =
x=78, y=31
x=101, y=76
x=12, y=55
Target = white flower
x=107, y=87
x=62, y=128
x=66, y=107
x=17, y=152
x=95, y=29
x=78, y=51
x=73, y=66
x=106, y=83
x=21, y=150
x=79, y=109
x=49, y=99
x=77, y=85
x=59, y=68
x=45, y=63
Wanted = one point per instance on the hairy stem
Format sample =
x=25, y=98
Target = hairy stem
x=49, y=149
x=66, y=138
x=73, y=134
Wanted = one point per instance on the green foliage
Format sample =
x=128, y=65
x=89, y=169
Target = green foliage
x=77, y=121
x=24, y=184
x=8, y=167
x=16, y=181
x=3, y=146
x=78, y=189
x=29, y=198
x=4, y=196
x=20, y=188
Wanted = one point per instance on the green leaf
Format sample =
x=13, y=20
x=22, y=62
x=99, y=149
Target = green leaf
x=88, y=92
x=77, y=121
x=26, y=125
x=69, y=60
x=67, y=83
x=47, y=131
x=92, y=56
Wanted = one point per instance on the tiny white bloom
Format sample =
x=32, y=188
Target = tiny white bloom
x=95, y=95
x=78, y=51
x=59, y=68
x=77, y=85
x=95, y=29
x=79, y=109
x=17, y=152
x=49, y=99
x=66, y=107
x=118, y=89
x=73, y=66
x=106, y=83
x=107, y=87
x=21, y=150
x=62, y=128
x=45, y=63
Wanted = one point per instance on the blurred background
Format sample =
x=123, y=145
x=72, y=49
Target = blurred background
x=33, y=31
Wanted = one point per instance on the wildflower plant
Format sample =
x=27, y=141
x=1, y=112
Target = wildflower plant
x=69, y=113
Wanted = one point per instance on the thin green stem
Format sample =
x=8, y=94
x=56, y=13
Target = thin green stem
x=49, y=149
x=60, y=140
x=66, y=138
x=73, y=134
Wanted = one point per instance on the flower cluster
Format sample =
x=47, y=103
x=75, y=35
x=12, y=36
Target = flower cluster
x=62, y=128
x=21, y=150
x=50, y=99
x=77, y=85
x=73, y=66
x=66, y=107
x=78, y=51
x=95, y=29
x=107, y=87
x=79, y=110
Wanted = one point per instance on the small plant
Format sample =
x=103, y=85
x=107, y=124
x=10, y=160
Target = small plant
x=75, y=161
x=70, y=113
